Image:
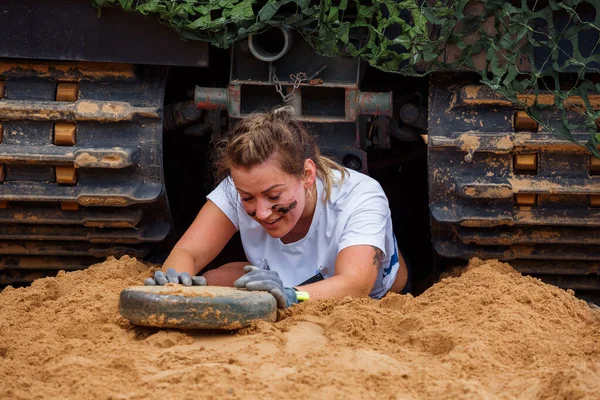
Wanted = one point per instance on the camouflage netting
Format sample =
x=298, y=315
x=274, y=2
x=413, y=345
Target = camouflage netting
x=530, y=47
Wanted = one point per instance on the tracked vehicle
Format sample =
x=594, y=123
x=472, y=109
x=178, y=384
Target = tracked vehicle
x=107, y=124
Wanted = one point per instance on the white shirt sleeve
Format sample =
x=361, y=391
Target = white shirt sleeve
x=227, y=199
x=369, y=213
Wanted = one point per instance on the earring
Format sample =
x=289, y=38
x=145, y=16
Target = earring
x=308, y=192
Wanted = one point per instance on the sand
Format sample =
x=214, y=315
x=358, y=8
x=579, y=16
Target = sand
x=486, y=333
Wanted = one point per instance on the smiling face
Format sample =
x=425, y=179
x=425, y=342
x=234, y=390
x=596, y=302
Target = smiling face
x=273, y=198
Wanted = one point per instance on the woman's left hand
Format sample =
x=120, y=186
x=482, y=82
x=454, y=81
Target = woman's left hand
x=172, y=276
x=261, y=279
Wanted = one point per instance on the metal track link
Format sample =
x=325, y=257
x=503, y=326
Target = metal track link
x=80, y=165
x=502, y=188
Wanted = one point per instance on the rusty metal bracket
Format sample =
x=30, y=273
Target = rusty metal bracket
x=355, y=103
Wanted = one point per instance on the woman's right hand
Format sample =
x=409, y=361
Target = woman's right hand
x=172, y=276
x=256, y=278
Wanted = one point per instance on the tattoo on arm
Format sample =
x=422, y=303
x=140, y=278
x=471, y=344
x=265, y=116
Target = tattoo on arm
x=377, y=257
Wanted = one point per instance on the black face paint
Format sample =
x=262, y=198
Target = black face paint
x=285, y=209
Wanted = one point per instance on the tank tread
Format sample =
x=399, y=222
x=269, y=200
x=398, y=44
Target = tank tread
x=486, y=215
x=557, y=253
x=18, y=270
x=70, y=248
x=98, y=217
x=118, y=193
x=33, y=263
x=110, y=157
x=528, y=235
x=502, y=188
x=80, y=110
x=80, y=165
x=143, y=232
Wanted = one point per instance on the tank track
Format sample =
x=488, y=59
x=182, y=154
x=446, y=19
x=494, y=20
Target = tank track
x=80, y=165
x=500, y=188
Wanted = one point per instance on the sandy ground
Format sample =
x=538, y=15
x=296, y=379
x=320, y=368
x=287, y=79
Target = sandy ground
x=489, y=333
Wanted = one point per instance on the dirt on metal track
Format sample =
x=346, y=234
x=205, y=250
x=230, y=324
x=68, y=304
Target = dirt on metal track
x=80, y=165
x=487, y=332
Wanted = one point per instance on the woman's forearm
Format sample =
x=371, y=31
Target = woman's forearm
x=226, y=274
x=202, y=242
x=336, y=287
x=181, y=260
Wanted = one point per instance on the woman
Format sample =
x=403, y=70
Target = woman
x=306, y=223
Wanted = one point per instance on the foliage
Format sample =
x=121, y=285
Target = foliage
x=525, y=48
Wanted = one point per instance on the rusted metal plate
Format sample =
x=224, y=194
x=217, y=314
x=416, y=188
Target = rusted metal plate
x=347, y=102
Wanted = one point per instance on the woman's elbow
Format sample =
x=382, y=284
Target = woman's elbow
x=365, y=286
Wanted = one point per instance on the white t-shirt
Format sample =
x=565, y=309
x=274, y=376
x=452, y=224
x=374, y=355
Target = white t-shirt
x=357, y=213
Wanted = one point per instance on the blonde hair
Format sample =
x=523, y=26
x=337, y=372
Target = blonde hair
x=275, y=134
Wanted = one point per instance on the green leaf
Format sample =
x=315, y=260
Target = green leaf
x=344, y=33
x=268, y=11
x=126, y=4
x=243, y=10
x=427, y=57
x=201, y=22
x=512, y=74
x=333, y=14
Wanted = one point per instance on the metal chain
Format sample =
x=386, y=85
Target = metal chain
x=297, y=79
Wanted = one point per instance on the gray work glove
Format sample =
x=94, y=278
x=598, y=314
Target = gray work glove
x=173, y=276
x=262, y=279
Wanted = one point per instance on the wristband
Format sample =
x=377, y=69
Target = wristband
x=301, y=296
